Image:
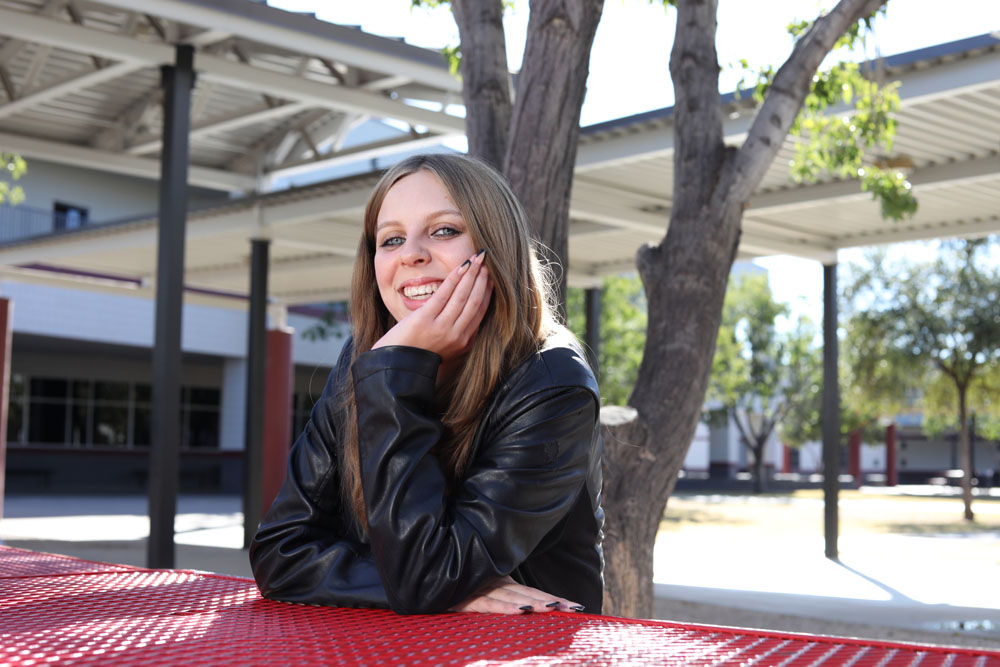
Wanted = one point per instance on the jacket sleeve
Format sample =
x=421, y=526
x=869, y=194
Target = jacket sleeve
x=434, y=549
x=303, y=550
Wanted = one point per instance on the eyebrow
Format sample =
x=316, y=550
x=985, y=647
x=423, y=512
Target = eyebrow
x=432, y=216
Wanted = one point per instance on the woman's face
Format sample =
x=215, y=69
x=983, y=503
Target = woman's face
x=419, y=238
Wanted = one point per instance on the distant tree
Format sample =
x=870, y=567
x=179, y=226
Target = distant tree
x=623, y=333
x=931, y=330
x=12, y=168
x=759, y=373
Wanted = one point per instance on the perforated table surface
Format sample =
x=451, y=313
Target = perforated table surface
x=56, y=609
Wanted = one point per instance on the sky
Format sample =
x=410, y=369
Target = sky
x=629, y=71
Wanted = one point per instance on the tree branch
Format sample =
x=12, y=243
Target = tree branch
x=784, y=99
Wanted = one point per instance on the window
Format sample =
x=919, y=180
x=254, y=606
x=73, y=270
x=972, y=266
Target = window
x=15, y=411
x=68, y=216
x=100, y=413
x=110, y=413
x=200, y=417
x=47, y=408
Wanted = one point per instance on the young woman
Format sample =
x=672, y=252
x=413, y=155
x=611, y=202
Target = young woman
x=453, y=461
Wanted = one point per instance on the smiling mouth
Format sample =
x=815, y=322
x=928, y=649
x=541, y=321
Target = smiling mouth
x=420, y=292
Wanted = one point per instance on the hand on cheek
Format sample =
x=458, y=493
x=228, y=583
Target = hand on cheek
x=447, y=323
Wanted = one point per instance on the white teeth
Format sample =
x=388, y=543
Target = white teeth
x=420, y=291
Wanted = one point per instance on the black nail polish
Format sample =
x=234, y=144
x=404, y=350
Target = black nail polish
x=466, y=263
x=552, y=605
x=481, y=252
x=578, y=607
x=526, y=608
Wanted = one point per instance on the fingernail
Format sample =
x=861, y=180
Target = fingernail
x=481, y=252
x=526, y=608
x=578, y=607
x=552, y=605
x=465, y=265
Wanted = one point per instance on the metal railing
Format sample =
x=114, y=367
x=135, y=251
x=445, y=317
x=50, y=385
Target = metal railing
x=23, y=222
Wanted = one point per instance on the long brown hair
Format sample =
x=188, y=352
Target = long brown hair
x=519, y=317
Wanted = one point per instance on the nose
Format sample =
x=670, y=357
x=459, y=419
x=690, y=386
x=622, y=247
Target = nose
x=414, y=253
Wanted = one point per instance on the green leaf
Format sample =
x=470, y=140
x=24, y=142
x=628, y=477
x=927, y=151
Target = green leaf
x=12, y=167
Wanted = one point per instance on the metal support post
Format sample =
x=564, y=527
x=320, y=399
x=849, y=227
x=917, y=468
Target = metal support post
x=256, y=392
x=164, y=464
x=831, y=413
x=592, y=307
x=6, y=339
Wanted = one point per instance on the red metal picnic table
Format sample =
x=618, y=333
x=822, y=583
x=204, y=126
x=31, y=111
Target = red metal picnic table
x=57, y=609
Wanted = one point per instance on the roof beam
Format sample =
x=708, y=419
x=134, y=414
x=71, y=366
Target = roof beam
x=37, y=63
x=253, y=220
x=224, y=124
x=926, y=232
x=291, y=265
x=353, y=154
x=323, y=95
x=822, y=194
x=91, y=158
x=212, y=68
x=14, y=45
x=949, y=79
x=68, y=85
x=317, y=38
x=128, y=122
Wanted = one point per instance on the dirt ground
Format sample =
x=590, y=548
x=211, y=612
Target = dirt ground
x=868, y=517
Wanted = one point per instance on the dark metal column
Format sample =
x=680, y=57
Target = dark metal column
x=592, y=335
x=6, y=340
x=831, y=413
x=256, y=371
x=177, y=81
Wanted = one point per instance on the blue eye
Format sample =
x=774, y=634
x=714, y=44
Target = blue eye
x=391, y=241
x=446, y=231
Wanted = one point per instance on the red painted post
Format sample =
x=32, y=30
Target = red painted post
x=6, y=332
x=854, y=456
x=277, y=414
x=786, y=458
x=891, y=474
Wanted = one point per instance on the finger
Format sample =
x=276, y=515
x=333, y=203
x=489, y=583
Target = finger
x=434, y=305
x=489, y=605
x=540, y=601
x=480, y=316
x=472, y=312
x=457, y=300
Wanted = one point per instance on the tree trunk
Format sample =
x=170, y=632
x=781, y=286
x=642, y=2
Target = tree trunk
x=634, y=502
x=964, y=458
x=685, y=278
x=759, y=483
x=545, y=124
x=485, y=78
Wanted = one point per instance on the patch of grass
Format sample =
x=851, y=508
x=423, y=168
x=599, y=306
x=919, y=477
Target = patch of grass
x=675, y=518
x=960, y=527
x=861, y=513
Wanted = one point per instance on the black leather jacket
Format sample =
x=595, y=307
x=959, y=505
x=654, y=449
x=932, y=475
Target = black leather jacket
x=529, y=505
